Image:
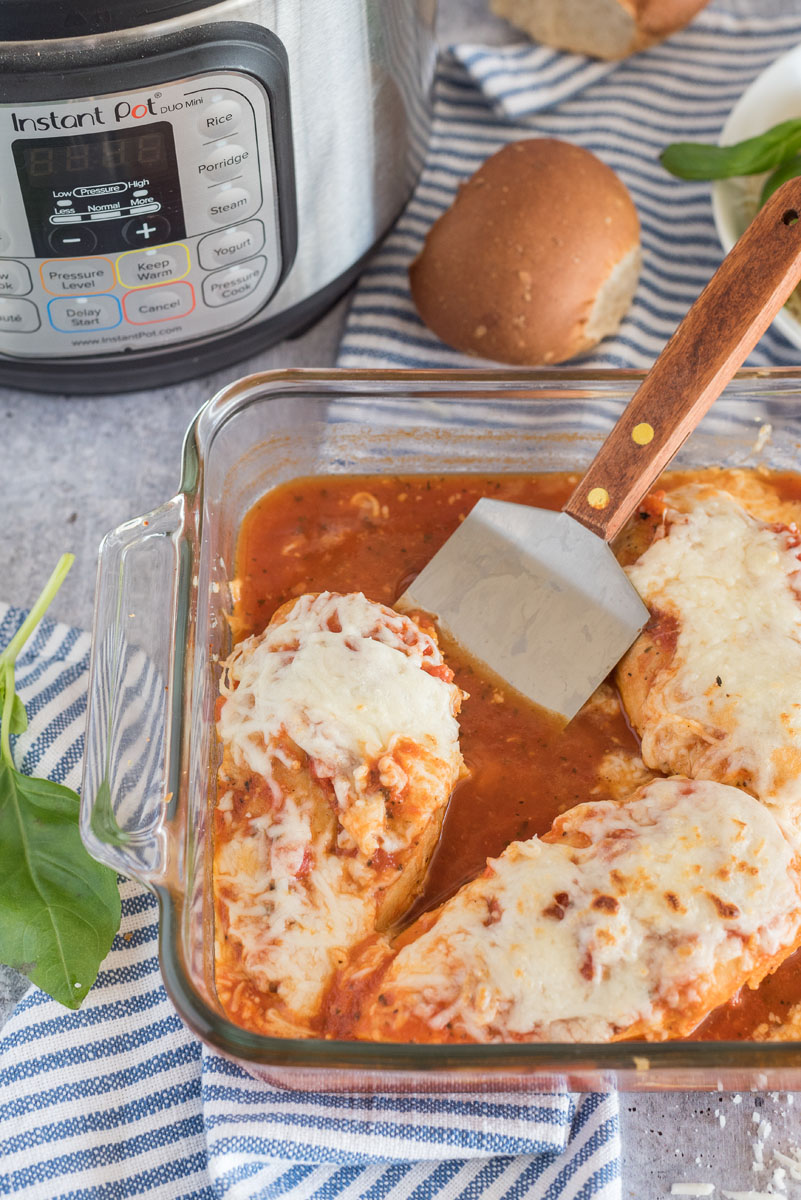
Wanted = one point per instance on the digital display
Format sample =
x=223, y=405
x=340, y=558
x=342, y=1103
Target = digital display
x=91, y=193
x=51, y=163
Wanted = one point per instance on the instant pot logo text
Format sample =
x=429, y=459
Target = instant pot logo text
x=89, y=118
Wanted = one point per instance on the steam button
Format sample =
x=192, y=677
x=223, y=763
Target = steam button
x=231, y=204
x=220, y=118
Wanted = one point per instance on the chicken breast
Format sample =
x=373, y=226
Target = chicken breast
x=340, y=751
x=713, y=684
x=627, y=920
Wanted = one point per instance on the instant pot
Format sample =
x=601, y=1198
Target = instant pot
x=183, y=184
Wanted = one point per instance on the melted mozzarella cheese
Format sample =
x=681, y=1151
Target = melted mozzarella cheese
x=344, y=680
x=292, y=931
x=733, y=689
x=343, y=697
x=557, y=943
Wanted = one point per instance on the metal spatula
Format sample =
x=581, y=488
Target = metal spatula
x=538, y=595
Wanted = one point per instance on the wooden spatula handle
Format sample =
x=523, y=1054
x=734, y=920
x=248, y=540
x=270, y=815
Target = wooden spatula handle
x=713, y=340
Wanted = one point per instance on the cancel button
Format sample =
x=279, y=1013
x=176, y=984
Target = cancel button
x=152, y=304
x=235, y=283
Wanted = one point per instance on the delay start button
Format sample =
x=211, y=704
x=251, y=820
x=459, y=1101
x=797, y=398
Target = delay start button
x=235, y=283
x=153, y=304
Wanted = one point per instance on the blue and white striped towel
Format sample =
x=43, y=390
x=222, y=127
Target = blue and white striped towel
x=119, y=1100
x=681, y=90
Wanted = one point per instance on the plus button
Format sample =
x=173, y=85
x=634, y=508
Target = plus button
x=146, y=231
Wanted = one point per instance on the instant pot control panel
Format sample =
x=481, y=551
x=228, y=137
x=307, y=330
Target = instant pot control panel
x=138, y=219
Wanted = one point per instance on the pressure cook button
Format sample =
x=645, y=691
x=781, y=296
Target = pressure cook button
x=231, y=204
x=18, y=316
x=84, y=312
x=148, y=230
x=144, y=268
x=158, y=304
x=235, y=283
x=225, y=161
x=231, y=245
x=220, y=118
x=73, y=239
x=15, y=279
x=72, y=276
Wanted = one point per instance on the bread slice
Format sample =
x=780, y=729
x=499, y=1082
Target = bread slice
x=600, y=28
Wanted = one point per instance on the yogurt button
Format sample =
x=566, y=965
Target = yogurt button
x=231, y=245
x=220, y=118
x=230, y=205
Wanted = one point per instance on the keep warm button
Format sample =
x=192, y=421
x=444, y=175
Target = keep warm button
x=234, y=283
x=152, y=304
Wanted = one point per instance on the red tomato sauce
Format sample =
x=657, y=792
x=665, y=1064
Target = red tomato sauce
x=374, y=534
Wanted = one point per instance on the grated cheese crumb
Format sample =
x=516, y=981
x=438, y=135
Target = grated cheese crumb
x=692, y=1189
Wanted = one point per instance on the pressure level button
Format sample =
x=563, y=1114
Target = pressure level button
x=220, y=118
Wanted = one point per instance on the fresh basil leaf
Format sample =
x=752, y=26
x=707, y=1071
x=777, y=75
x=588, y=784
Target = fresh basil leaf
x=788, y=170
x=695, y=160
x=59, y=909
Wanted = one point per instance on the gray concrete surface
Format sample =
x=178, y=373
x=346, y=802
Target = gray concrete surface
x=73, y=467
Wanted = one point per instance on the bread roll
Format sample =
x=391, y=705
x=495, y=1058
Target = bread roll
x=536, y=260
x=601, y=28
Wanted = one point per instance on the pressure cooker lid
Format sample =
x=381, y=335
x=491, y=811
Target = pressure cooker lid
x=36, y=20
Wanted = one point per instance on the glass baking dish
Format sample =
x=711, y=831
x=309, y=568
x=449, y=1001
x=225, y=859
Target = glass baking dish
x=160, y=628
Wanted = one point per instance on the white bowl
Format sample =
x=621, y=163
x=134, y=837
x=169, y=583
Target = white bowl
x=774, y=96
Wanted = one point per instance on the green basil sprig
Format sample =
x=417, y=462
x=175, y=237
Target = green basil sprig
x=59, y=909
x=766, y=152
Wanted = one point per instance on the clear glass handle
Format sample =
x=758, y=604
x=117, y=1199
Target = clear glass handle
x=134, y=714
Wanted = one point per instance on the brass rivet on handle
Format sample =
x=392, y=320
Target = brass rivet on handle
x=642, y=434
x=598, y=498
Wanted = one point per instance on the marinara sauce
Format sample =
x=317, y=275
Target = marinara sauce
x=374, y=534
